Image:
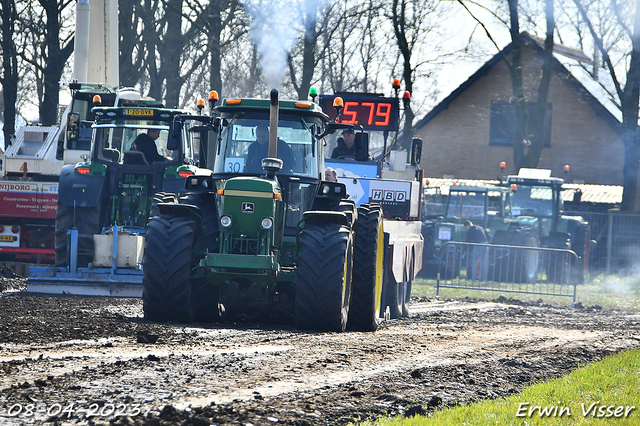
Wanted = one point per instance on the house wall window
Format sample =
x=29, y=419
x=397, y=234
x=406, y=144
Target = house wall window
x=503, y=119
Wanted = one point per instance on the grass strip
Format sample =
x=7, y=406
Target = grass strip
x=608, y=292
x=602, y=393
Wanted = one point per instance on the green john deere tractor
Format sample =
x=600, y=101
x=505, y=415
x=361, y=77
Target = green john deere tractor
x=275, y=244
x=489, y=207
x=117, y=184
x=539, y=197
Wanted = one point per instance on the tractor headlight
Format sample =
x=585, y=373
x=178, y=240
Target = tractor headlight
x=225, y=221
x=266, y=223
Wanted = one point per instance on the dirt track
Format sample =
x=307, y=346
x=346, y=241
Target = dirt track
x=96, y=361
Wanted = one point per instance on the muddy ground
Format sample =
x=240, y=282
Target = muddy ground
x=70, y=360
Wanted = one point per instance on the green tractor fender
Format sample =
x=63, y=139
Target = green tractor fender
x=183, y=210
x=319, y=217
x=82, y=189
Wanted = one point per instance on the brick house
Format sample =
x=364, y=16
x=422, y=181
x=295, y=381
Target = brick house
x=467, y=135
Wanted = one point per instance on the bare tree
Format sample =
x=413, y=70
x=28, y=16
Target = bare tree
x=541, y=130
x=415, y=27
x=9, y=77
x=132, y=51
x=625, y=26
x=51, y=38
x=526, y=152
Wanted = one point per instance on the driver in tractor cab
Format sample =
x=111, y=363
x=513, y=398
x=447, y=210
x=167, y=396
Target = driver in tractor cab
x=260, y=149
x=346, y=145
x=146, y=144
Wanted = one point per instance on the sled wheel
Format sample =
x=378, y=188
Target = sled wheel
x=395, y=297
x=323, y=287
x=87, y=222
x=205, y=301
x=407, y=289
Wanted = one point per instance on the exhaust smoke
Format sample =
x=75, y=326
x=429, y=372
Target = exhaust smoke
x=273, y=31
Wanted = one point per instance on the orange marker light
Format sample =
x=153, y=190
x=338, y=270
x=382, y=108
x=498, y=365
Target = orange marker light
x=503, y=164
x=233, y=101
x=566, y=168
x=305, y=105
x=220, y=191
x=200, y=103
x=514, y=187
x=396, y=84
x=277, y=196
x=213, y=96
x=338, y=102
x=97, y=100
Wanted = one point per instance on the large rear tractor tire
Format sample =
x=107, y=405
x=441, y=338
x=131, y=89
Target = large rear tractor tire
x=166, y=281
x=367, y=269
x=580, y=245
x=323, y=286
x=207, y=203
x=87, y=222
x=529, y=259
x=161, y=197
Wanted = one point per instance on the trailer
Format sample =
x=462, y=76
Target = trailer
x=395, y=182
x=34, y=157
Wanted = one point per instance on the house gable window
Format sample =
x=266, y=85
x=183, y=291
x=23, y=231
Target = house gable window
x=503, y=119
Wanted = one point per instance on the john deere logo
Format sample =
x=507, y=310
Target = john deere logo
x=247, y=208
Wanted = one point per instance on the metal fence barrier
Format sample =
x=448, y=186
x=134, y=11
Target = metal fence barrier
x=617, y=238
x=509, y=269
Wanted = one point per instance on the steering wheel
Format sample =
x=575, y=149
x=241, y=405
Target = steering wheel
x=346, y=157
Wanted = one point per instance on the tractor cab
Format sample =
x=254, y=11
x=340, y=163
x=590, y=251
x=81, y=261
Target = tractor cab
x=243, y=144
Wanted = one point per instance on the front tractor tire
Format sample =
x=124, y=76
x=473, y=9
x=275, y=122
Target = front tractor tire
x=323, y=286
x=367, y=270
x=87, y=221
x=166, y=281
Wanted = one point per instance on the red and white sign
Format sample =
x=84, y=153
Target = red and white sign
x=28, y=199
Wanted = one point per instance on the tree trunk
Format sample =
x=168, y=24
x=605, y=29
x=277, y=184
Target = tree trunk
x=215, y=28
x=515, y=70
x=629, y=101
x=170, y=51
x=9, y=79
x=131, y=44
x=399, y=24
x=308, y=54
x=55, y=62
x=541, y=131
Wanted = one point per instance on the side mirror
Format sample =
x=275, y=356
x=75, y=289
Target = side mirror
x=73, y=126
x=217, y=124
x=416, y=151
x=175, y=136
x=362, y=146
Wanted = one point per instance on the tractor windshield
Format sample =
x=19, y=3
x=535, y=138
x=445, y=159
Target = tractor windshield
x=123, y=141
x=466, y=205
x=245, y=142
x=532, y=201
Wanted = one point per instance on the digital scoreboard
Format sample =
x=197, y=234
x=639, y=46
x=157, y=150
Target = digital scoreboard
x=371, y=111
